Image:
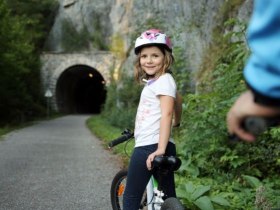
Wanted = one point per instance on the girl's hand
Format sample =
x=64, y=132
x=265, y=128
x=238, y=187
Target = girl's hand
x=151, y=157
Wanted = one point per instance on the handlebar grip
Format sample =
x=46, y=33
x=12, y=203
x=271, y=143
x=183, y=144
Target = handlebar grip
x=256, y=125
x=120, y=140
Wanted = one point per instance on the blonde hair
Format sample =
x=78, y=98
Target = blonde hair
x=140, y=74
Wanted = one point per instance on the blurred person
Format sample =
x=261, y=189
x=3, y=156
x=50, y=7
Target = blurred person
x=262, y=71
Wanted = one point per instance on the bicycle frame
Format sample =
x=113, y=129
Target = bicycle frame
x=154, y=196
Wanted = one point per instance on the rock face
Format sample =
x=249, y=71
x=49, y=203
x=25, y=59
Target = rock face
x=114, y=24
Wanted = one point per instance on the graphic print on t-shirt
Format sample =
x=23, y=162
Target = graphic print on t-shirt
x=142, y=113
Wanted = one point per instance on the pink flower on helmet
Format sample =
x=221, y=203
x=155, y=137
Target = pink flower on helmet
x=151, y=34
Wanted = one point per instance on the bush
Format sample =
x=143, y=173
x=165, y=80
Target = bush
x=121, y=103
x=232, y=170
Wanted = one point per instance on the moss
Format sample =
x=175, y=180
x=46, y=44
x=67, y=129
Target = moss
x=219, y=43
x=117, y=46
x=98, y=38
x=73, y=40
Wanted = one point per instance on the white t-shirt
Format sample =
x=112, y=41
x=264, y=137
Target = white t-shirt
x=147, y=123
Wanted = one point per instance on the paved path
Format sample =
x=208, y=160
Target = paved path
x=55, y=165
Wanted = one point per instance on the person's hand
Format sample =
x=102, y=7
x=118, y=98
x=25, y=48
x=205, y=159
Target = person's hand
x=151, y=157
x=243, y=107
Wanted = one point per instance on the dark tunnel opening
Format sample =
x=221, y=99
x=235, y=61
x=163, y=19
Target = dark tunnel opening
x=80, y=89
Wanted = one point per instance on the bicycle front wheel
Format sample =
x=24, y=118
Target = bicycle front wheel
x=117, y=189
x=172, y=204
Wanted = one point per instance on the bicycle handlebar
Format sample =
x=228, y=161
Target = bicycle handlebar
x=126, y=135
x=257, y=125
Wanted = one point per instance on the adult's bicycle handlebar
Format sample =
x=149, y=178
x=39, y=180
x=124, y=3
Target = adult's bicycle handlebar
x=257, y=125
x=126, y=135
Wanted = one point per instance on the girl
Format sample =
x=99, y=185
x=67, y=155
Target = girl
x=154, y=115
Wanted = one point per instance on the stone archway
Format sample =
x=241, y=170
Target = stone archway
x=68, y=78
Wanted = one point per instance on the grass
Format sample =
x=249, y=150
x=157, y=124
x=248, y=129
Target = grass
x=101, y=128
x=8, y=128
x=4, y=131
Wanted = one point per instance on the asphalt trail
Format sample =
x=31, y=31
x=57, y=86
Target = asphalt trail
x=56, y=164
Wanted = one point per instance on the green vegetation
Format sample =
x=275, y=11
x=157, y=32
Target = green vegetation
x=4, y=130
x=37, y=18
x=232, y=171
x=122, y=95
x=98, y=41
x=22, y=29
x=78, y=40
x=218, y=45
x=118, y=46
x=74, y=40
x=101, y=128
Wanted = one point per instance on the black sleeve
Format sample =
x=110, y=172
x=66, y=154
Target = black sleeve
x=264, y=100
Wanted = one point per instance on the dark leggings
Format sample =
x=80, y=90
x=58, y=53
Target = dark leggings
x=138, y=176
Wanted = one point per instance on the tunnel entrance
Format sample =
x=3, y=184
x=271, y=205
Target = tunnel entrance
x=80, y=89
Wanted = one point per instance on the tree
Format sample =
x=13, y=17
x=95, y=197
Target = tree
x=20, y=93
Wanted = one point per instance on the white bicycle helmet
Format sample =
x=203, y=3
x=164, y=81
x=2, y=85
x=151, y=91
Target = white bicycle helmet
x=152, y=37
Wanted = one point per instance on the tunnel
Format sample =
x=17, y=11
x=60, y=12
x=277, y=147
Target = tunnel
x=80, y=90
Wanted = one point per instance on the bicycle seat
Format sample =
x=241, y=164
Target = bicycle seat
x=170, y=163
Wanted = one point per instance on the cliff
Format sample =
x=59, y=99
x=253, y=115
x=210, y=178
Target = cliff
x=112, y=25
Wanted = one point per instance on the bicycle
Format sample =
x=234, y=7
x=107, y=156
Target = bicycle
x=153, y=198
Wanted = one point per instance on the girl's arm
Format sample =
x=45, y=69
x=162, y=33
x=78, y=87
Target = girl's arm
x=167, y=108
